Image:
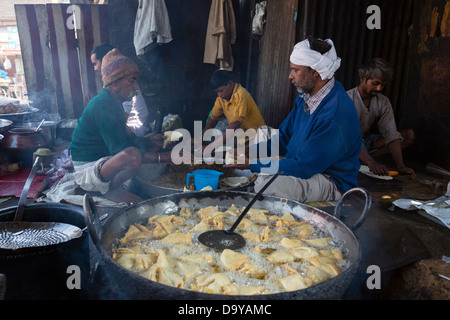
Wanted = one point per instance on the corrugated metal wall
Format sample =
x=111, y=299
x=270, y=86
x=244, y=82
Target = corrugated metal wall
x=345, y=22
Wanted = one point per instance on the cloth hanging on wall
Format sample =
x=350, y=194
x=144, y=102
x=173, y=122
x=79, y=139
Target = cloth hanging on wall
x=152, y=23
x=220, y=35
x=259, y=19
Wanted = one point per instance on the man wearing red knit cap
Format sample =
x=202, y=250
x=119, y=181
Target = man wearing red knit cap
x=104, y=153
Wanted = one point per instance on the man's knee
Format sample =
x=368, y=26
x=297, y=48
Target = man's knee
x=408, y=137
x=132, y=157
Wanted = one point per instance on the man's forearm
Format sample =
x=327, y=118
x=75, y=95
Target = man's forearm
x=395, y=149
x=365, y=157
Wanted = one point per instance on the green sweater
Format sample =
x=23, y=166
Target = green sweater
x=101, y=130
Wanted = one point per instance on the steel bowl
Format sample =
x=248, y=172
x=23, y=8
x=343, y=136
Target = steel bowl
x=5, y=125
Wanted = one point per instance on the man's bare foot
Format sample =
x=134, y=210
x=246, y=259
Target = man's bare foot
x=121, y=195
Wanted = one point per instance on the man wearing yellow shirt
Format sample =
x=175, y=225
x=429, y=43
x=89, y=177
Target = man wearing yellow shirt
x=235, y=104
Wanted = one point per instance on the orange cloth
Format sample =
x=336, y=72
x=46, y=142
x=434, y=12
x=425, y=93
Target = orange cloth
x=220, y=35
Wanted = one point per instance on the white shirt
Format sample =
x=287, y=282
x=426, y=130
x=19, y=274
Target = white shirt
x=379, y=112
x=137, y=114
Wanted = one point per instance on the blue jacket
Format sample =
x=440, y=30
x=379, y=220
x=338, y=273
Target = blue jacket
x=327, y=142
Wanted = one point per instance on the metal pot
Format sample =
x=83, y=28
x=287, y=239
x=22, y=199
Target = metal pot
x=142, y=185
x=42, y=273
x=48, y=129
x=21, y=143
x=133, y=286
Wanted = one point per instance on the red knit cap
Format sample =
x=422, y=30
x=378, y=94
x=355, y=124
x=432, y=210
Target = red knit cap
x=116, y=66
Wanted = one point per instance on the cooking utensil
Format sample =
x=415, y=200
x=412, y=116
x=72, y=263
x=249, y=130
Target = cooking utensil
x=39, y=126
x=47, y=129
x=158, y=122
x=24, y=111
x=130, y=285
x=21, y=143
x=22, y=234
x=40, y=273
x=26, y=188
x=228, y=239
x=5, y=125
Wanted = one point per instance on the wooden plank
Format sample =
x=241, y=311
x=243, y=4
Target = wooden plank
x=274, y=88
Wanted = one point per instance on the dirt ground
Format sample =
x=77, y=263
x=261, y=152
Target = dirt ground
x=419, y=278
x=422, y=281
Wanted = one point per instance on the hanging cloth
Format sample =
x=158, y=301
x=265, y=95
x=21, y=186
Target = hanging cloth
x=152, y=22
x=220, y=35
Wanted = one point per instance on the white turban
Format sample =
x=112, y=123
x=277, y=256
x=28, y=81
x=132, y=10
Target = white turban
x=325, y=64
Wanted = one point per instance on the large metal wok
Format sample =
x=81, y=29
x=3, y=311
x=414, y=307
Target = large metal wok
x=133, y=286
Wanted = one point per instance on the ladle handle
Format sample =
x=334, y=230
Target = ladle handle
x=39, y=126
x=92, y=219
x=236, y=223
x=367, y=205
x=23, y=197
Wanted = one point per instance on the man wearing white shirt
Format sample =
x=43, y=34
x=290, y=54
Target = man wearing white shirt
x=374, y=108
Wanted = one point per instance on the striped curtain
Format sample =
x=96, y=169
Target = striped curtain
x=56, y=41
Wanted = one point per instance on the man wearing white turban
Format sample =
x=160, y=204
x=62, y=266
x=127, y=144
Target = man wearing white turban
x=319, y=142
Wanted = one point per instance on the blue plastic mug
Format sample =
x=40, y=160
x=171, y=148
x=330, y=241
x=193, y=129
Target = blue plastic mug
x=204, y=178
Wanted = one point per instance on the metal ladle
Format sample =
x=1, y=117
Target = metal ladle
x=227, y=239
x=39, y=126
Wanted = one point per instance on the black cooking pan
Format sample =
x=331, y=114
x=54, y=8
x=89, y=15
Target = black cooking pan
x=38, y=273
x=133, y=286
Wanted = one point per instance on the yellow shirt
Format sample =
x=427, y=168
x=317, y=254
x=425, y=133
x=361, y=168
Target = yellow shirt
x=241, y=107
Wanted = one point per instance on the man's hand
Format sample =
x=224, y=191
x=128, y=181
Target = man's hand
x=155, y=140
x=378, y=168
x=405, y=169
x=234, y=158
